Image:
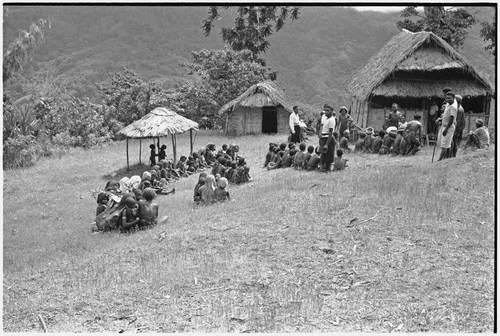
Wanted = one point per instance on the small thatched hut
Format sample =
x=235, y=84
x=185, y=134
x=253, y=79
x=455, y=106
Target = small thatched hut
x=160, y=123
x=411, y=70
x=262, y=108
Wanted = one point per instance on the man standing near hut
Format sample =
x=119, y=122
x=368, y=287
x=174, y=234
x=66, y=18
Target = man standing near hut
x=326, y=141
x=459, y=127
x=294, y=123
x=447, y=129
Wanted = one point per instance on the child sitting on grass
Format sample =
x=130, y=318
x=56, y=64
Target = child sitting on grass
x=377, y=143
x=288, y=158
x=102, y=203
x=270, y=155
x=369, y=140
x=181, y=166
x=207, y=190
x=339, y=163
x=148, y=211
x=308, y=155
x=344, y=142
x=220, y=192
x=360, y=143
x=313, y=162
x=129, y=219
x=197, y=192
x=299, y=158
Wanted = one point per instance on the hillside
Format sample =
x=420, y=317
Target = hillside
x=314, y=55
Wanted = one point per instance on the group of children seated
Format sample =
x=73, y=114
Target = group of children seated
x=392, y=141
x=226, y=167
x=285, y=156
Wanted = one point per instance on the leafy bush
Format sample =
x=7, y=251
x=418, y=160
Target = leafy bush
x=20, y=151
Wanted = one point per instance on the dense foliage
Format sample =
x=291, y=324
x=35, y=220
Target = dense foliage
x=451, y=25
x=253, y=25
x=489, y=34
x=22, y=47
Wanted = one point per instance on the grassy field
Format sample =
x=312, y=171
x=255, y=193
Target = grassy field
x=390, y=244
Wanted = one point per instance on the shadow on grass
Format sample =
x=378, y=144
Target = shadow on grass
x=136, y=169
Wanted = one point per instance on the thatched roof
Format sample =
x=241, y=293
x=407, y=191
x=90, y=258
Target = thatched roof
x=404, y=52
x=420, y=88
x=158, y=123
x=267, y=93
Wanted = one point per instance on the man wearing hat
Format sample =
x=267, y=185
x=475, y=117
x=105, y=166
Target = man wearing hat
x=459, y=127
x=447, y=129
x=413, y=134
x=480, y=138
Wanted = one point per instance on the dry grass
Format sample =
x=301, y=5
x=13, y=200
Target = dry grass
x=390, y=244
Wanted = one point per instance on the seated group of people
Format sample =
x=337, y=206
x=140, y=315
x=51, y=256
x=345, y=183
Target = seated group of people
x=304, y=158
x=227, y=168
x=131, y=212
x=395, y=141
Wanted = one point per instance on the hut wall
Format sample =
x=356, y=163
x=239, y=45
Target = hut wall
x=283, y=118
x=375, y=118
x=253, y=120
x=236, y=121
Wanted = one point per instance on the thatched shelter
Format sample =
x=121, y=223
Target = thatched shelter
x=262, y=108
x=411, y=70
x=160, y=122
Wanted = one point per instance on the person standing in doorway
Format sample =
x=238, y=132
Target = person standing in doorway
x=394, y=116
x=294, y=125
x=433, y=114
x=344, y=121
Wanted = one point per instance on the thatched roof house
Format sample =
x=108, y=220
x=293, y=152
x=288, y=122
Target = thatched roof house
x=411, y=70
x=158, y=123
x=262, y=108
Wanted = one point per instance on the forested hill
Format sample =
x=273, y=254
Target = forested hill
x=314, y=55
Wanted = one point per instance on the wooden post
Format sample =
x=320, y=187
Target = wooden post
x=174, y=149
x=191, y=141
x=140, y=150
x=128, y=167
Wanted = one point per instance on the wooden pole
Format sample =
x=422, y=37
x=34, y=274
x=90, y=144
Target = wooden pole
x=191, y=141
x=128, y=167
x=140, y=150
x=173, y=149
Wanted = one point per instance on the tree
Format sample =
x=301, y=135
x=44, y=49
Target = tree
x=449, y=24
x=223, y=76
x=489, y=33
x=252, y=27
x=126, y=96
x=23, y=46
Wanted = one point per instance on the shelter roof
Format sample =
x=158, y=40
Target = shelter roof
x=404, y=52
x=267, y=93
x=158, y=123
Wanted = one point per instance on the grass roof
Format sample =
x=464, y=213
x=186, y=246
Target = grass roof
x=419, y=88
x=403, y=52
x=267, y=93
x=158, y=123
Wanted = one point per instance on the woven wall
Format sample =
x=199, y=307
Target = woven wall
x=248, y=120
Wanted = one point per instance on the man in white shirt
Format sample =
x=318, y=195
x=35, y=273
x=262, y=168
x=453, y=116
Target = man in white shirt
x=294, y=121
x=326, y=140
x=447, y=130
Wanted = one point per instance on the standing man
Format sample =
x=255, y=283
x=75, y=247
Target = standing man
x=294, y=125
x=413, y=134
x=459, y=127
x=344, y=121
x=319, y=123
x=326, y=141
x=447, y=129
x=394, y=116
x=431, y=125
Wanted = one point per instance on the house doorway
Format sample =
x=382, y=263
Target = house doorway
x=269, y=119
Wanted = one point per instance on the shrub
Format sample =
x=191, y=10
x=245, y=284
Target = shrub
x=20, y=151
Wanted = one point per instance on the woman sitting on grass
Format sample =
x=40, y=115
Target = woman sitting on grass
x=220, y=192
x=207, y=191
x=148, y=211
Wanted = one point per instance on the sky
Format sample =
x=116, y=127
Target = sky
x=379, y=8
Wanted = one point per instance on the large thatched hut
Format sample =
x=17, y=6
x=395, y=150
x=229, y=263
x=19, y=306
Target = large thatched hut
x=262, y=108
x=411, y=70
x=158, y=123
